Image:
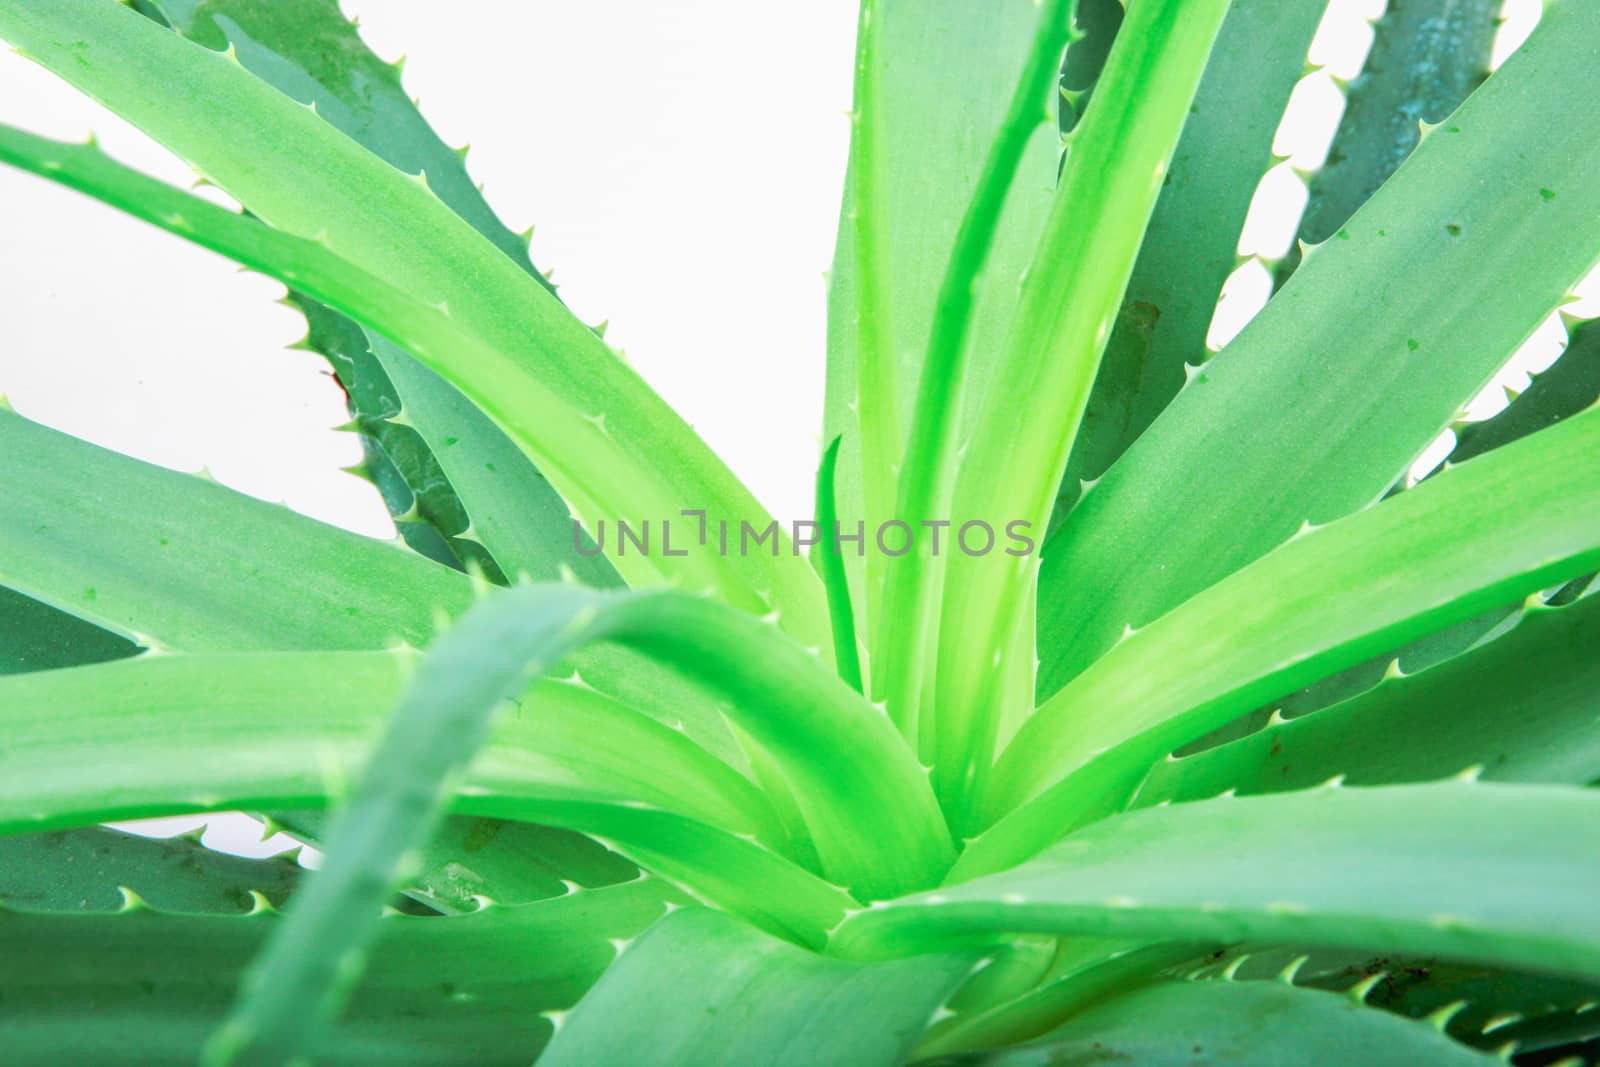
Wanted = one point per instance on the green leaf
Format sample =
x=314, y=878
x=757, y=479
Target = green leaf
x=1524, y=708
x=152, y=717
x=1238, y=1024
x=1485, y=1007
x=1570, y=384
x=1499, y=874
x=843, y=759
x=1086, y=970
x=1426, y=57
x=469, y=860
x=829, y=561
x=702, y=989
x=144, y=986
x=928, y=134
x=87, y=869
x=37, y=637
x=165, y=556
x=163, y=736
x=1025, y=425
x=927, y=472
x=1191, y=245
x=1313, y=412
x=307, y=50
x=1503, y=526
x=610, y=446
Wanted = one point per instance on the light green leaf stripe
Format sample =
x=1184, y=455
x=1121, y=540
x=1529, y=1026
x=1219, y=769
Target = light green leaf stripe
x=1116, y=162
x=1480, y=535
x=1313, y=412
x=927, y=474
x=611, y=446
x=1500, y=874
x=146, y=986
x=1524, y=708
x=933, y=132
x=701, y=990
x=1237, y=1024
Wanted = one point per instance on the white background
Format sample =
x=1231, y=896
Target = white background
x=681, y=163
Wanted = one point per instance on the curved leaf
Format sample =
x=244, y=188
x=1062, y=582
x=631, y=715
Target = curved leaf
x=1238, y=1024
x=87, y=869
x=1029, y=415
x=1501, y=527
x=611, y=446
x=843, y=759
x=176, y=734
x=1499, y=874
x=1524, y=708
x=1314, y=411
x=704, y=990
x=145, y=986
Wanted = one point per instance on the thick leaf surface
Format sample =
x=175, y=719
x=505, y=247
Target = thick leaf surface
x=86, y=870
x=1499, y=874
x=146, y=987
x=1494, y=530
x=1341, y=400
x=1237, y=1024
x=702, y=989
x=1525, y=708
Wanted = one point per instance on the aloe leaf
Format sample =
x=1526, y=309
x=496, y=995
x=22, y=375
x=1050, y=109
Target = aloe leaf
x=1486, y=1007
x=1496, y=874
x=469, y=860
x=1086, y=970
x=443, y=450
x=1191, y=245
x=307, y=50
x=1041, y=379
x=1428, y=258
x=932, y=133
x=154, y=553
x=928, y=471
x=1426, y=57
x=611, y=446
x=144, y=986
x=700, y=988
x=1241, y=1024
x=35, y=637
x=444, y=717
x=1569, y=385
x=1518, y=520
x=1095, y=25
x=1522, y=708
x=162, y=736
x=829, y=561
x=86, y=869
x=135, y=709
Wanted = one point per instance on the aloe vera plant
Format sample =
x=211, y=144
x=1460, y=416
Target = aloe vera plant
x=1120, y=702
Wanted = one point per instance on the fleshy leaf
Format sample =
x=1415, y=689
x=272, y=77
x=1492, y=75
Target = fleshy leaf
x=1238, y=1024
x=702, y=989
x=1313, y=412
x=1494, y=873
x=144, y=986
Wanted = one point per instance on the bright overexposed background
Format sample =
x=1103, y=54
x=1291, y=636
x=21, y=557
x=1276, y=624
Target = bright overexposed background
x=681, y=164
